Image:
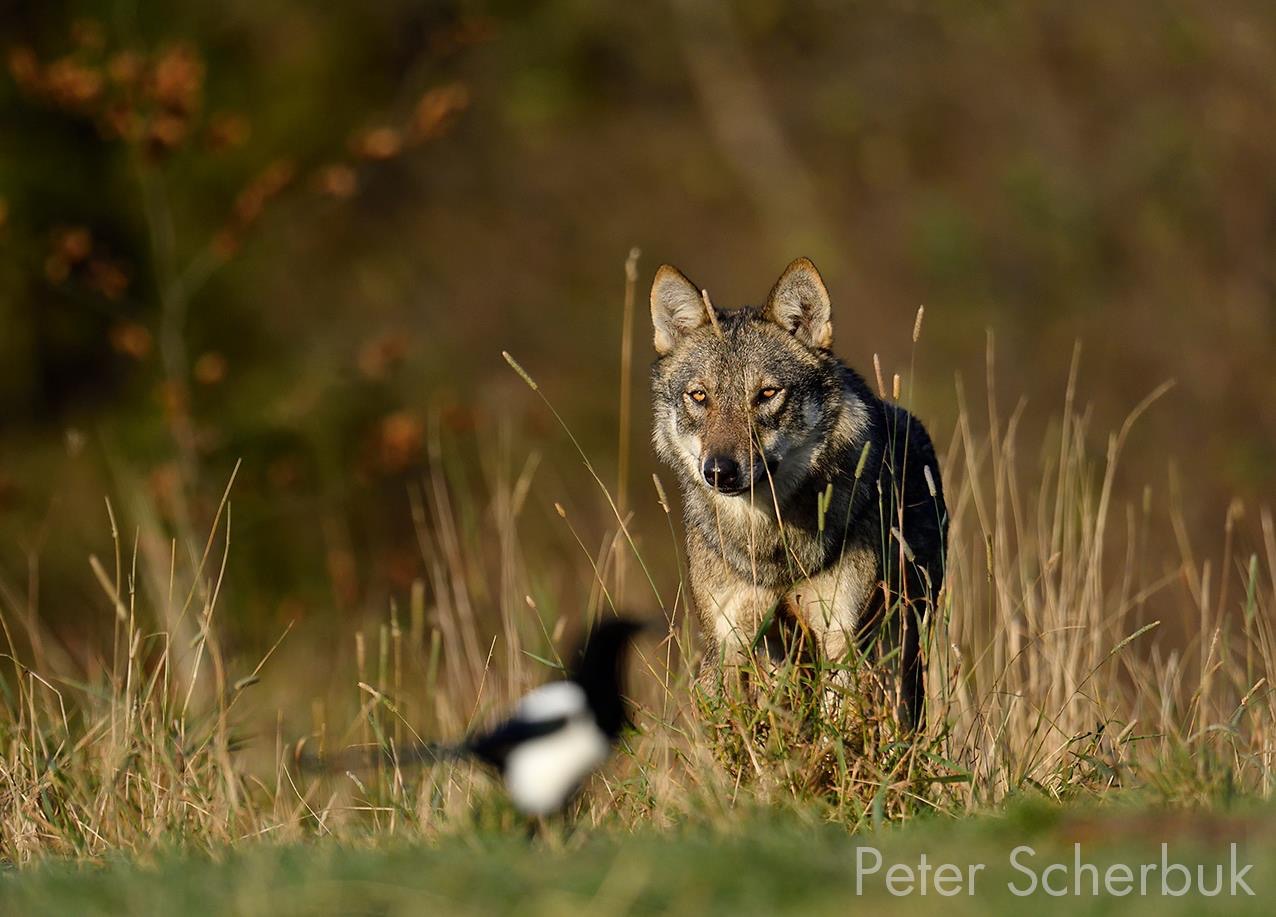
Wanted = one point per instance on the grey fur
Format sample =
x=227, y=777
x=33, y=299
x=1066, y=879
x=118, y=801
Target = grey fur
x=758, y=392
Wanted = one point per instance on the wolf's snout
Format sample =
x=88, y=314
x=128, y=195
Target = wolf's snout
x=722, y=473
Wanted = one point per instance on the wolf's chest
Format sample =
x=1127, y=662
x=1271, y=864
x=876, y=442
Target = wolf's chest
x=760, y=549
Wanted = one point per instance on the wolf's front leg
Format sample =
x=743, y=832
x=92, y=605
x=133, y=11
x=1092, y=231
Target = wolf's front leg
x=830, y=606
x=732, y=612
x=831, y=603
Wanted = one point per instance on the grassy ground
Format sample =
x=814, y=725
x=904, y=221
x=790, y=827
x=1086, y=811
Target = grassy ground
x=766, y=863
x=1068, y=665
x=1089, y=651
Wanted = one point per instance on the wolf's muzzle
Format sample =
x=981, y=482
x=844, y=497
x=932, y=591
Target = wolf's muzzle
x=723, y=474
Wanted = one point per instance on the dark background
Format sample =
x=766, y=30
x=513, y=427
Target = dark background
x=301, y=235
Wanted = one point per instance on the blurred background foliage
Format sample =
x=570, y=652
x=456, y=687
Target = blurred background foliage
x=301, y=234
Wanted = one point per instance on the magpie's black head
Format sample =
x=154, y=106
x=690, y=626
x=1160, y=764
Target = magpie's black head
x=600, y=671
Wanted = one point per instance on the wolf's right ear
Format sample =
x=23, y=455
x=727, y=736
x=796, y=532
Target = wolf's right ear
x=676, y=307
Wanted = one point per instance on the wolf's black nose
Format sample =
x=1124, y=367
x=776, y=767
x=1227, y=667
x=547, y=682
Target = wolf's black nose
x=721, y=473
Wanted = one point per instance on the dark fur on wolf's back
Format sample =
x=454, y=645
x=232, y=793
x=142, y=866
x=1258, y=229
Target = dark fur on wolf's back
x=760, y=419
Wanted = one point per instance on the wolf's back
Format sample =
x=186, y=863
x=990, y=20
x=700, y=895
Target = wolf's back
x=914, y=504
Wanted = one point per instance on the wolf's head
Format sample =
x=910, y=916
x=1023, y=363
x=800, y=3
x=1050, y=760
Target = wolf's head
x=744, y=399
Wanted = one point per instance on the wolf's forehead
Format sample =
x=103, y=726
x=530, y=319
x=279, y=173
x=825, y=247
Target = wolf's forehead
x=745, y=352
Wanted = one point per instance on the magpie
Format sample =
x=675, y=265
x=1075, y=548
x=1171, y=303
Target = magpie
x=556, y=736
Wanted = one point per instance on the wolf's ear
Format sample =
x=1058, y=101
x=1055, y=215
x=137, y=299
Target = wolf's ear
x=799, y=304
x=676, y=307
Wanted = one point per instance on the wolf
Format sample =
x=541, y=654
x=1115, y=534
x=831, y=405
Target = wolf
x=807, y=499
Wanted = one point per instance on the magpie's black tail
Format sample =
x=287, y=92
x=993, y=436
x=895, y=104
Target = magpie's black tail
x=362, y=757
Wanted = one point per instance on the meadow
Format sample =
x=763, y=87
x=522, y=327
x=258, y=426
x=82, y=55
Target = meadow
x=1060, y=693
x=322, y=425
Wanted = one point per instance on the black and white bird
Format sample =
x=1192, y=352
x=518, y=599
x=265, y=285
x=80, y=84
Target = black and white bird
x=557, y=735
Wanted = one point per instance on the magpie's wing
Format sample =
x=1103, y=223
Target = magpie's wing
x=494, y=747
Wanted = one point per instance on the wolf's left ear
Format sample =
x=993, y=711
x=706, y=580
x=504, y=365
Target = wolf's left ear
x=676, y=307
x=799, y=303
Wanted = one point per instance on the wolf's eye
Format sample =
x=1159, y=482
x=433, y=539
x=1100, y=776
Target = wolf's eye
x=697, y=395
x=768, y=393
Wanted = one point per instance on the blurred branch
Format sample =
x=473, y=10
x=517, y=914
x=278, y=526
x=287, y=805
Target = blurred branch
x=174, y=301
x=743, y=125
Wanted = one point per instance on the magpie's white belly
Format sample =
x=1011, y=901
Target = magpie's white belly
x=541, y=774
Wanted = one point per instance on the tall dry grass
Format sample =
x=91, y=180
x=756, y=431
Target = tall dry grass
x=1059, y=662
